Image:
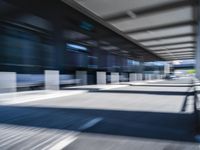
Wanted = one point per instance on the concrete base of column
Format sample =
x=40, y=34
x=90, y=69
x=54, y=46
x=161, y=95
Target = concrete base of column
x=132, y=77
x=101, y=77
x=8, y=82
x=52, y=80
x=114, y=77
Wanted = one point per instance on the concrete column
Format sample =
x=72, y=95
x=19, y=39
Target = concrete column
x=197, y=66
x=8, y=82
x=198, y=61
x=132, y=77
x=52, y=81
x=166, y=69
x=140, y=76
x=82, y=76
x=101, y=77
x=141, y=70
x=114, y=77
x=137, y=76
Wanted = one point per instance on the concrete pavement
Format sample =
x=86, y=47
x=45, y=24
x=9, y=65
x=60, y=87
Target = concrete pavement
x=130, y=117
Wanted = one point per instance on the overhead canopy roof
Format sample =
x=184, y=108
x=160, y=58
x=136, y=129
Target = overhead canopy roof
x=164, y=27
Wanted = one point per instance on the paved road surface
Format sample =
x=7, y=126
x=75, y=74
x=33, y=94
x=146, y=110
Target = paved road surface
x=125, y=118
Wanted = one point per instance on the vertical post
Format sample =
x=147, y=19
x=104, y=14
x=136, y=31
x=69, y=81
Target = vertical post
x=114, y=77
x=167, y=69
x=101, y=77
x=52, y=81
x=132, y=77
x=142, y=70
x=197, y=66
x=8, y=82
x=136, y=77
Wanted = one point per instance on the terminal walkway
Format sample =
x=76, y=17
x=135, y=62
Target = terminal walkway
x=123, y=118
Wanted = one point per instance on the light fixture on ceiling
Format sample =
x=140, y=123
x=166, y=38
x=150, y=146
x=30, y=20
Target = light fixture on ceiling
x=131, y=14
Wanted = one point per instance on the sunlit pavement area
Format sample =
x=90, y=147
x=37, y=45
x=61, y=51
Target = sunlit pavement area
x=124, y=117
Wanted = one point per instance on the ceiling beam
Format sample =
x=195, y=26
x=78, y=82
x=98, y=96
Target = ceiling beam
x=176, y=52
x=179, y=58
x=149, y=10
x=184, y=50
x=167, y=37
x=184, y=58
x=170, y=54
x=172, y=49
x=166, y=26
x=181, y=55
x=170, y=44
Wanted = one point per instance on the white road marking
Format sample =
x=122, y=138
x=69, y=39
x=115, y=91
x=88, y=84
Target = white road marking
x=30, y=97
x=33, y=138
x=62, y=144
x=90, y=123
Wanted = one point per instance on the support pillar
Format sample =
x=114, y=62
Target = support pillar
x=52, y=80
x=114, y=77
x=101, y=77
x=132, y=77
x=197, y=66
x=8, y=82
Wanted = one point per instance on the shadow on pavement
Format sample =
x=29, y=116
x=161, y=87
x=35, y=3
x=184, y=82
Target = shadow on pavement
x=154, y=125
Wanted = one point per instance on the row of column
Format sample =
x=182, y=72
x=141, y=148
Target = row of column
x=8, y=80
